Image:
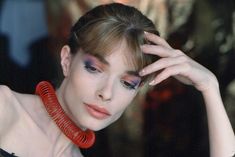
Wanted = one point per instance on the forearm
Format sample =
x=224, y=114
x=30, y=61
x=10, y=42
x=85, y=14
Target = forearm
x=175, y=63
x=221, y=135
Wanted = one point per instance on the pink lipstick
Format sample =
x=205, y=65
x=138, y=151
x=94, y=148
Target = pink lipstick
x=97, y=112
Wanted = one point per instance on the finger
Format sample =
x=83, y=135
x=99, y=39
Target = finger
x=162, y=64
x=160, y=51
x=156, y=39
x=170, y=71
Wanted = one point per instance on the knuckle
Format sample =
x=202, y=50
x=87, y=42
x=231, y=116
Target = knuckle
x=187, y=65
x=162, y=61
x=183, y=58
x=178, y=52
x=161, y=40
x=167, y=71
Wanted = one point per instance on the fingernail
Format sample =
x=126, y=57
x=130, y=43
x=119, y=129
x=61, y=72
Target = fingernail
x=141, y=73
x=152, y=82
x=146, y=33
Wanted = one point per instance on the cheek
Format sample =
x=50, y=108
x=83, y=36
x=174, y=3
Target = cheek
x=81, y=80
x=77, y=86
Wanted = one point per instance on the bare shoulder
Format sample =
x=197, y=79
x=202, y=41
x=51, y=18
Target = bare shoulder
x=7, y=111
x=8, y=96
x=5, y=93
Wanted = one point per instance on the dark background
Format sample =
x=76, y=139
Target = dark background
x=171, y=121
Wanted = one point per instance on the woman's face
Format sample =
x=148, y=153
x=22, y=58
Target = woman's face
x=97, y=90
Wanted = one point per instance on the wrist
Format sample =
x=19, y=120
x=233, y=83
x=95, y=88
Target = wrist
x=211, y=95
x=212, y=86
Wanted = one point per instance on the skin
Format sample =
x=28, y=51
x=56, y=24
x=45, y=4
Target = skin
x=176, y=64
x=106, y=86
x=106, y=89
x=100, y=82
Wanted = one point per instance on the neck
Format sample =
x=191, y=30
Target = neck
x=83, y=139
x=60, y=92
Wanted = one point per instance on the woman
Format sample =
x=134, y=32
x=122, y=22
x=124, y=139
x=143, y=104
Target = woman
x=112, y=53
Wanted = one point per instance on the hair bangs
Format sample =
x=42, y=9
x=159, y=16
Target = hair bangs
x=101, y=38
x=136, y=58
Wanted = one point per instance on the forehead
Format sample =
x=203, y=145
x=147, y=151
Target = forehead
x=120, y=55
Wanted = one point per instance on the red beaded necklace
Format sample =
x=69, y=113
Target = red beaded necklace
x=83, y=139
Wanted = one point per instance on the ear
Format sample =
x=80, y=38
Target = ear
x=66, y=59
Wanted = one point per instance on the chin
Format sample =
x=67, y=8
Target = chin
x=96, y=127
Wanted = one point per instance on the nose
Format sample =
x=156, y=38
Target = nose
x=105, y=92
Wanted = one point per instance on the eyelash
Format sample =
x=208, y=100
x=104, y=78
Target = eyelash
x=128, y=85
x=93, y=70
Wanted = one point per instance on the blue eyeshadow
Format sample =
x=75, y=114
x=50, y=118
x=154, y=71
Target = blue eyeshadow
x=88, y=62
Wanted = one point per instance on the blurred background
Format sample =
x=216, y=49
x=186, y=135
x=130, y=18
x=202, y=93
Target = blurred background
x=171, y=120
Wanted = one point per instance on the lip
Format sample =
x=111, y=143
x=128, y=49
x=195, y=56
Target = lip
x=96, y=111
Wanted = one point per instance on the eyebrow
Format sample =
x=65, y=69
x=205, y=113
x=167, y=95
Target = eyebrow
x=103, y=60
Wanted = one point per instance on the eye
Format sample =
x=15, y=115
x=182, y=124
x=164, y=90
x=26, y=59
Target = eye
x=129, y=85
x=91, y=68
x=91, y=65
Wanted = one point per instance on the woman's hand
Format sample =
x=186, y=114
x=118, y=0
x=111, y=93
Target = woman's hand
x=175, y=63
